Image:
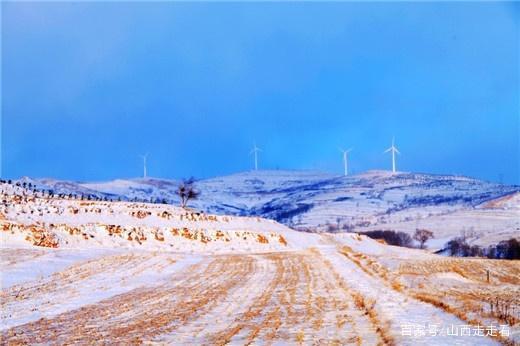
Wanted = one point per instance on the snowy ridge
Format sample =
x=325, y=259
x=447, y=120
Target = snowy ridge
x=56, y=222
x=314, y=201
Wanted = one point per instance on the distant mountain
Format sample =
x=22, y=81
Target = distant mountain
x=315, y=201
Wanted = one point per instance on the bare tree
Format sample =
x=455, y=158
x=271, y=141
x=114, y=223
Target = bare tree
x=186, y=191
x=422, y=236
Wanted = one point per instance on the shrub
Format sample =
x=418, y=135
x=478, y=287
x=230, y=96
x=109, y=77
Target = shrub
x=391, y=237
x=422, y=236
x=506, y=249
x=332, y=228
x=186, y=191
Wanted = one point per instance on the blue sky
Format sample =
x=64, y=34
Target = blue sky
x=87, y=87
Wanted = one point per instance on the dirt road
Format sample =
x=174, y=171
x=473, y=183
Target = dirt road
x=316, y=296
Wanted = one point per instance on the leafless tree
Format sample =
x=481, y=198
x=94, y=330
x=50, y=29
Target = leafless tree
x=186, y=191
x=422, y=236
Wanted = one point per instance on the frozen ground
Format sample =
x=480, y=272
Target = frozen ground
x=323, y=294
x=81, y=272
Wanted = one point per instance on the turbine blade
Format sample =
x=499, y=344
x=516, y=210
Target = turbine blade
x=255, y=149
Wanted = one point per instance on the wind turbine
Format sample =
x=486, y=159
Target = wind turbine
x=144, y=163
x=255, y=151
x=345, y=159
x=393, y=150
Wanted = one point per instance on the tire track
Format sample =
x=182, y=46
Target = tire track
x=388, y=305
x=236, y=303
x=303, y=303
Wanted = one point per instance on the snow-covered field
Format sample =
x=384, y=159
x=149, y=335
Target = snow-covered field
x=314, y=201
x=95, y=272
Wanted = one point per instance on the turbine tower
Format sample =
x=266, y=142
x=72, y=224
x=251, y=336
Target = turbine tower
x=393, y=150
x=345, y=159
x=255, y=151
x=144, y=164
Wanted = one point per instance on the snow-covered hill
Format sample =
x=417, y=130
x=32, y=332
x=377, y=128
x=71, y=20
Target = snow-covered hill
x=28, y=220
x=314, y=201
x=169, y=275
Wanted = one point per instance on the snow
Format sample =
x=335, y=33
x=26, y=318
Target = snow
x=49, y=263
x=93, y=224
x=314, y=201
x=400, y=310
x=97, y=287
x=170, y=275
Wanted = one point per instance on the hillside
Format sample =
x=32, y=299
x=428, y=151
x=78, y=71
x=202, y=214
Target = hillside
x=70, y=268
x=317, y=202
x=27, y=219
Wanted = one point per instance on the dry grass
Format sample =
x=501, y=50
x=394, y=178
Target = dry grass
x=141, y=313
x=9, y=257
x=300, y=302
x=501, y=271
x=367, y=305
x=460, y=313
x=373, y=268
x=497, y=299
x=473, y=300
x=301, y=297
x=470, y=298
